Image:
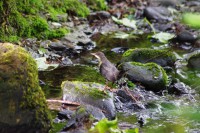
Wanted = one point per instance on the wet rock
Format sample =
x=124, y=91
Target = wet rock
x=186, y=36
x=55, y=25
x=144, y=55
x=79, y=35
x=45, y=44
x=179, y=88
x=151, y=75
x=88, y=93
x=157, y=13
x=22, y=102
x=193, y=3
x=194, y=60
x=66, y=61
x=106, y=28
x=99, y=15
x=165, y=3
x=119, y=50
x=87, y=46
x=123, y=96
x=57, y=46
x=65, y=114
x=163, y=27
x=80, y=122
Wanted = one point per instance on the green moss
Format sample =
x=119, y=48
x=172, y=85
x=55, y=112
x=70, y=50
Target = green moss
x=144, y=55
x=147, y=52
x=30, y=6
x=155, y=69
x=57, y=127
x=56, y=33
x=25, y=18
x=97, y=5
x=86, y=88
x=69, y=6
x=25, y=78
x=128, y=52
x=38, y=25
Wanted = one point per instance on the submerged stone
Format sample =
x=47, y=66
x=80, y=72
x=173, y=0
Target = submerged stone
x=194, y=60
x=90, y=94
x=22, y=102
x=151, y=75
x=145, y=55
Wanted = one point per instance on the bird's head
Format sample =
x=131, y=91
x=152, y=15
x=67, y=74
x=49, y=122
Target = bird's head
x=100, y=56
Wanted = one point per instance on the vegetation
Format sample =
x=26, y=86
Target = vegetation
x=192, y=19
x=106, y=126
x=25, y=18
x=97, y=4
x=144, y=55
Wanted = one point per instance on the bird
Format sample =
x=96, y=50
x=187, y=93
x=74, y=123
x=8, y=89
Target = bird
x=110, y=72
x=107, y=69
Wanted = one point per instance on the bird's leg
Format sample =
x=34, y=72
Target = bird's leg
x=106, y=87
x=133, y=98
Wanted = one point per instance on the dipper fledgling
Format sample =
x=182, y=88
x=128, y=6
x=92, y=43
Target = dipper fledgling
x=107, y=69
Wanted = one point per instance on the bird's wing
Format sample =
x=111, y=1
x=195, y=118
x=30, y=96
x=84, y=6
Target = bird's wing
x=109, y=71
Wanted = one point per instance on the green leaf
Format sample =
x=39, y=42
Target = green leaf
x=126, y=22
x=192, y=19
x=106, y=126
x=163, y=37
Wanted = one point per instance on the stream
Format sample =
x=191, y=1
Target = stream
x=166, y=113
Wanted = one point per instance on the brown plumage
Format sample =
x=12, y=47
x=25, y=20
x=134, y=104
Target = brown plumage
x=107, y=69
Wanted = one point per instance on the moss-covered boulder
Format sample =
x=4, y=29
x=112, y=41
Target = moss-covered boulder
x=145, y=55
x=151, y=75
x=23, y=106
x=90, y=94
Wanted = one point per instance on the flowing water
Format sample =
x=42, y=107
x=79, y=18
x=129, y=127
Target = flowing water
x=166, y=114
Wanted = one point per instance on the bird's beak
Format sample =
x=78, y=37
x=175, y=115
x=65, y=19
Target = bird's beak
x=93, y=54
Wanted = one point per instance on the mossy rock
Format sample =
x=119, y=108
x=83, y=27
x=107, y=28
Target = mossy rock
x=89, y=94
x=151, y=75
x=22, y=102
x=145, y=55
